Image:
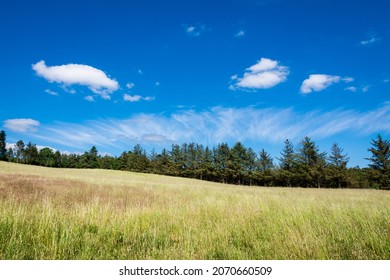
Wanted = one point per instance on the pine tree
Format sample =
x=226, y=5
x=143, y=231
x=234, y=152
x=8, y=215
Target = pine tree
x=20, y=151
x=287, y=160
x=237, y=163
x=3, y=146
x=265, y=166
x=221, y=160
x=31, y=154
x=311, y=163
x=337, y=166
x=287, y=163
x=207, y=166
x=380, y=161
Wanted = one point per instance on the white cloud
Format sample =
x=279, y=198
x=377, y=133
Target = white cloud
x=21, y=125
x=130, y=85
x=132, y=98
x=266, y=73
x=195, y=30
x=360, y=89
x=347, y=79
x=68, y=89
x=190, y=29
x=351, y=89
x=78, y=74
x=369, y=42
x=218, y=124
x=319, y=82
x=149, y=98
x=89, y=98
x=240, y=33
x=136, y=98
x=48, y=91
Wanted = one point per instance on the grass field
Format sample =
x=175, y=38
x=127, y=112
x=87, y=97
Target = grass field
x=101, y=214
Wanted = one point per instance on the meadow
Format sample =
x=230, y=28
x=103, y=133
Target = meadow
x=48, y=213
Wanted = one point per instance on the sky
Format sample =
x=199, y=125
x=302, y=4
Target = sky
x=118, y=73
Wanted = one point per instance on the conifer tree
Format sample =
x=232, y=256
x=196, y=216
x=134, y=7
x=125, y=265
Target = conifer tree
x=311, y=163
x=380, y=161
x=265, y=166
x=3, y=146
x=337, y=166
x=287, y=163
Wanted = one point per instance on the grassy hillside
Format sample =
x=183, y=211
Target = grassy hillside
x=100, y=214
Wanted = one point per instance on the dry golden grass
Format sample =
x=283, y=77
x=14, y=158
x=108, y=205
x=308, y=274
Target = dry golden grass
x=100, y=214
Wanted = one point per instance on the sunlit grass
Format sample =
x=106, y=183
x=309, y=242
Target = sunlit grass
x=101, y=214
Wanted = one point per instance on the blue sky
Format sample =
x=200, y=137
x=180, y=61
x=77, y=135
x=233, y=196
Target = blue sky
x=116, y=73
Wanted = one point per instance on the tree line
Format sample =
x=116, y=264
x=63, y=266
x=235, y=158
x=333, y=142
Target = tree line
x=302, y=166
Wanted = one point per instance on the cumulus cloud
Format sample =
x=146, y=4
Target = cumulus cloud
x=21, y=125
x=266, y=73
x=195, y=30
x=130, y=85
x=78, y=74
x=372, y=40
x=319, y=82
x=240, y=33
x=89, y=98
x=351, y=89
x=149, y=98
x=136, y=98
x=355, y=89
x=132, y=98
x=190, y=29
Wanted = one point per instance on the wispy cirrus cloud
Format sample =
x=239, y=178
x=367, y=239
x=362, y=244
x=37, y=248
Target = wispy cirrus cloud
x=21, y=125
x=266, y=73
x=48, y=91
x=77, y=74
x=216, y=125
x=319, y=82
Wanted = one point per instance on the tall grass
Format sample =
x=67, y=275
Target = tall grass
x=100, y=214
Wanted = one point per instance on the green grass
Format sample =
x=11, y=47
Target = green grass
x=100, y=214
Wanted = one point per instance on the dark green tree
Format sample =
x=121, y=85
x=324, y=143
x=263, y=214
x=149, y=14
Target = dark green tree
x=380, y=162
x=265, y=166
x=3, y=146
x=164, y=164
x=237, y=164
x=221, y=161
x=46, y=157
x=206, y=166
x=57, y=159
x=11, y=154
x=31, y=154
x=288, y=164
x=311, y=163
x=251, y=166
x=19, y=147
x=337, y=166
